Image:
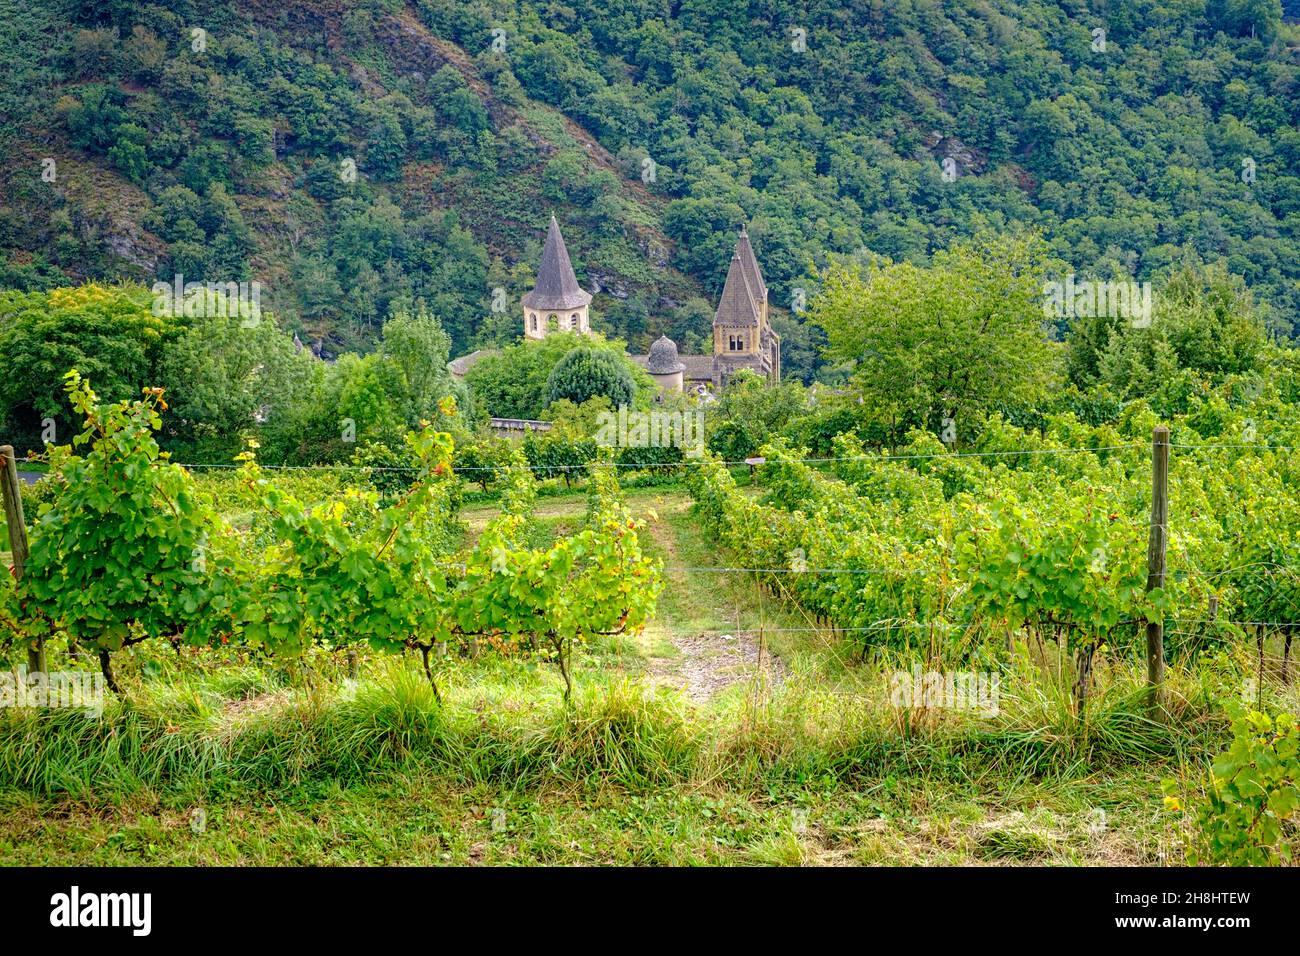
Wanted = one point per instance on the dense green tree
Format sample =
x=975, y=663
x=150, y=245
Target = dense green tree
x=226, y=373
x=1205, y=322
x=419, y=347
x=944, y=341
x=513, y=382
x=586, y=373
x=763, y=408
x=108, y=332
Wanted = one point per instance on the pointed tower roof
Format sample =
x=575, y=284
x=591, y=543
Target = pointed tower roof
x=750, y=264
x=557, y=287
x=744, y=293
x=737, y=306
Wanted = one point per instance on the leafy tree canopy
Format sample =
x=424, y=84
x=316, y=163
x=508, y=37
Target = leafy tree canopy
x=586, y=373
x=949, y=339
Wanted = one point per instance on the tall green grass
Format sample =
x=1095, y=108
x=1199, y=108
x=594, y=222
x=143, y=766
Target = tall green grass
x=240, y=729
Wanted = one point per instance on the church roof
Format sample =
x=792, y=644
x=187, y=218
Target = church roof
x=699, y=368
x=557, y=287
x=744, y=292
x=459, y=366
x=750, y=264
x=737, y=306
x=695, y=368
x=663, y=359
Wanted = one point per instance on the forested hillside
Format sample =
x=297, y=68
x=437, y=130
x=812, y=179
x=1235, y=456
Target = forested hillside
x=218, y=140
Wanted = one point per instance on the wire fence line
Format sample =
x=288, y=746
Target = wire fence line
x=1213, y=447
x=883, y=457
x=722, y=569
x=924, y=625
x=688, y=460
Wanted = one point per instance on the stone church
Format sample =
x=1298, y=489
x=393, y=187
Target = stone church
x=742, y=334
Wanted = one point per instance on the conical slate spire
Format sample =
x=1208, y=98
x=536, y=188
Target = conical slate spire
x=750, y=264
x=744, y=293
x=557, y=287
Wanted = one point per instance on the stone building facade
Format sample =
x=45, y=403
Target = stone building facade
x=742, y=335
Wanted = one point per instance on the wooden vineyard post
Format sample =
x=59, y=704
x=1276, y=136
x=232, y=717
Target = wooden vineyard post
x=13, y=501
x=1156, y=547
x=1259, y=670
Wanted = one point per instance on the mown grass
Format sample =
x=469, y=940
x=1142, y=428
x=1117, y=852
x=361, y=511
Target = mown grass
x=417, y=818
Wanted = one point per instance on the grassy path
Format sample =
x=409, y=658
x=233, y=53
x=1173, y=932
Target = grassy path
x=711, y=628
x=709, y=633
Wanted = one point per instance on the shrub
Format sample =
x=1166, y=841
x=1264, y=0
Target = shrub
x=119, y=551
x=1251, y=813
x=586, y=373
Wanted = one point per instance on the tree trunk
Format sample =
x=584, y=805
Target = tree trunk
x=428, y=672
x=1084, y=679
x=106, y=667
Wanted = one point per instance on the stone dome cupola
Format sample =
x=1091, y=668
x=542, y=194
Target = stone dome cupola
x=663, y=358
